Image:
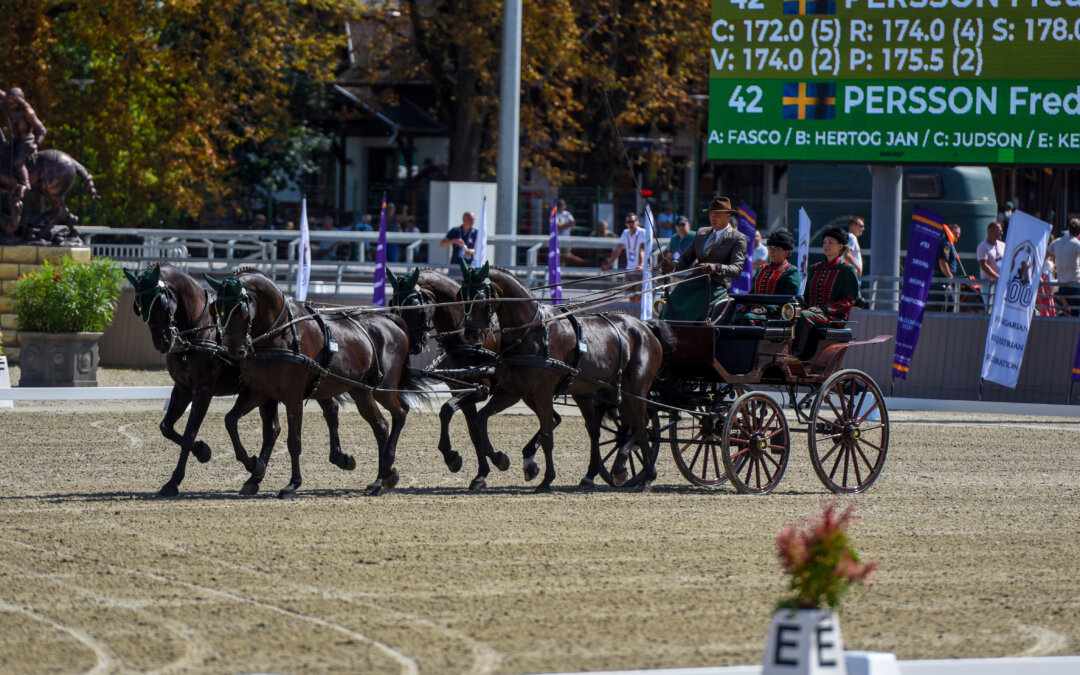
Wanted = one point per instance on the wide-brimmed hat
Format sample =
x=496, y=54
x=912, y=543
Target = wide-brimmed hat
x=721, y=204
x=837, y=233
x=782, y=239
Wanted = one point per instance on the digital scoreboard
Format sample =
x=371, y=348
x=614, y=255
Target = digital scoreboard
x=895, y=81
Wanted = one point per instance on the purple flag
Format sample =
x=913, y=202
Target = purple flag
x=1076, y=364
x=926, y=229
x=554, y=271
x=378, y=297
x=747, y=224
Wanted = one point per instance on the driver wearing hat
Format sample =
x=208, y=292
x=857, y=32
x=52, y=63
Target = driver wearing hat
x=717, y=254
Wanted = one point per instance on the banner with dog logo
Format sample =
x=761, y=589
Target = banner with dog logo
x=1014, y=300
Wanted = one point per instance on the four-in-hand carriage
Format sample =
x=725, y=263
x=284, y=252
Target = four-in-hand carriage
x=718, y=403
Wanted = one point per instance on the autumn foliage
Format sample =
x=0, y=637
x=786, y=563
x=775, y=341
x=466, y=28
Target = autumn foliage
x=820, y=561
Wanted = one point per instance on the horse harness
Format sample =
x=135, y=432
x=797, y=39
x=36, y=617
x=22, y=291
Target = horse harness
x=181, y=344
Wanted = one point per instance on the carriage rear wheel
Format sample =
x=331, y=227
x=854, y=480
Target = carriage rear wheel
x=695, y=445
x=613, y=436
x=757, y=443
x=849, y=432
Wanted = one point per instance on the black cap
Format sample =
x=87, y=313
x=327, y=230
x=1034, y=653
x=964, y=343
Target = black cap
x=782, y=239
x=837, y=233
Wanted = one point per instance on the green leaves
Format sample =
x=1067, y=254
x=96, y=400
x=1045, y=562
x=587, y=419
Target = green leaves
x=68, y=297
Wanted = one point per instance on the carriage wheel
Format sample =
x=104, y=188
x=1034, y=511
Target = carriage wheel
x=612, y=438
x=849, y=432
x=756, y=443
x=695, y=445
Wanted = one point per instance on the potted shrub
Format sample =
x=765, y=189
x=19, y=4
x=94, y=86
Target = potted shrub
x=63, y=309
x=822, y=568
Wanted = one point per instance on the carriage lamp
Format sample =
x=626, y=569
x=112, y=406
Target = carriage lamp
x=789, y=311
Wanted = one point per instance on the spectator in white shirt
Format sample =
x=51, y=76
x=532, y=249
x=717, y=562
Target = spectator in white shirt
x=989, y=254
x=1065, y=252
x=853, y=254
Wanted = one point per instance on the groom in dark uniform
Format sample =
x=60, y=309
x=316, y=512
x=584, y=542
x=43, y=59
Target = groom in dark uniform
x=717, y=257
x=778, y=277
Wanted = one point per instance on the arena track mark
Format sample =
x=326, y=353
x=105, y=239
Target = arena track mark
x=1046, y=641
x=133, y=440
x=104, y=661
x=486, y=658
x=408, y=664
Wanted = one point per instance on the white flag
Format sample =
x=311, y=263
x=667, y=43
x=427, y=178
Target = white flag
x=804, y=248
x=646, y=274
x=480, y=248
x=1014, y=299
x=303, y=255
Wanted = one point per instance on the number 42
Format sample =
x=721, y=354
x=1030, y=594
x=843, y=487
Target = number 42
x=736, y=101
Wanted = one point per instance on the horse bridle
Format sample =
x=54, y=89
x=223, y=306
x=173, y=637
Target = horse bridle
x=472, y=293
x=227, y=304
x=419, y=301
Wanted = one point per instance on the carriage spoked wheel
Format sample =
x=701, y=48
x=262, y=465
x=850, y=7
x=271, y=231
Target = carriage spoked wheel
x=756, y=443
x=613, y=436
x=849, y=432
x=695, y=445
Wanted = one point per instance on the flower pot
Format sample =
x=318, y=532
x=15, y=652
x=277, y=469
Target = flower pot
x=804, y=642
x=58, y=359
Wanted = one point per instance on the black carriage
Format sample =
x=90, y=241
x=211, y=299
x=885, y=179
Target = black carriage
x=719, y=402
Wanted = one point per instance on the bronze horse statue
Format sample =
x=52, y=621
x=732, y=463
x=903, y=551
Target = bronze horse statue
x=289, y=353
x=603, y=361
x=427, y=301
x=52, y=173
x=183, y=325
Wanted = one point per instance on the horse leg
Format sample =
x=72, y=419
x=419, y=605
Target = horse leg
x=294, y=412
x=270, y=432
x=446, y=413
x=500, y=400
x=338, y=458
x=502, y=462
x=546, y=413
x=634, y=416
x=365, y=405
x=528, y=452
x=178, y=402
x=587, y=405
x=399, y=410
x=256, y=466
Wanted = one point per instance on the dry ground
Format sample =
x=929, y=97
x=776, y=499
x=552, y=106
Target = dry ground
x=975, y=522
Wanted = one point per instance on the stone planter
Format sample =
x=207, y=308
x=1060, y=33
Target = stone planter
x=58, y=359
x=804, y=642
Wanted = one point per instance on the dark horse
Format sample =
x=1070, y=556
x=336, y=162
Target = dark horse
x=428, y=301
x=52, y=173
x=181, y=317
x=289, y=353
x=546, y=353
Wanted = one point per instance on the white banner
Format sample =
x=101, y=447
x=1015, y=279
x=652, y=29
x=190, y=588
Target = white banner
x=646, y=275
x=5, y=382
x=480, y=249
x=303, y=255
x=1014, y=300
x=804, y=248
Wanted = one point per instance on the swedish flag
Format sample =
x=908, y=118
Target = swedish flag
x=805, y=7
x=809, y=101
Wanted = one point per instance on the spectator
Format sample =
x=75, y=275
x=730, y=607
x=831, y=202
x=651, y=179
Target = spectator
x=603, y=229
x=680, y=241
x=463, y=239
x=853, y=254
x=391, y=226
x=364, y=224
x=258, y=222
x=665, y=222
x=1005, y=214
x=421, y=251
x=1065, y=252
x=948, y=262
x=632, y=240
x=564, y=222
x=989, y=254
x=328, y=248
x=761, y=252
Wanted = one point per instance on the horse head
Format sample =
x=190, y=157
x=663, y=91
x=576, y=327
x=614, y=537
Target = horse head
x=413, y=305
x=475, y=294
x=156, y=303
x=236, y=311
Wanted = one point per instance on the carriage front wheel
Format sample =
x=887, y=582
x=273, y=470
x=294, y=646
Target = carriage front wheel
x=756, y=443
x=849, y=432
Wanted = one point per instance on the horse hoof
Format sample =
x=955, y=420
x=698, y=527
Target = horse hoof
x=249, y=489
x=478, y=484
x=391, y=481
x=287, y=494
x=586, y=483
x=543, y=489
x=645, y=486
x=531, y=471
x=256, y=467
x=346, y=462
x=201, y=451
x=453, y=462
x=375, y=489
x=619, y=479
x=502, y=462
x=168, y=490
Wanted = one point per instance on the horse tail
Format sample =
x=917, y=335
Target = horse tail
x=416, y=387
x=87, y=179
x=668, y=341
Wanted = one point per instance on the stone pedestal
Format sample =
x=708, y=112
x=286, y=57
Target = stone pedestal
x=17, y=260
x=58, y=359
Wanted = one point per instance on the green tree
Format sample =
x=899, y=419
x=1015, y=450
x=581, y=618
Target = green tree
x=193, y=103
